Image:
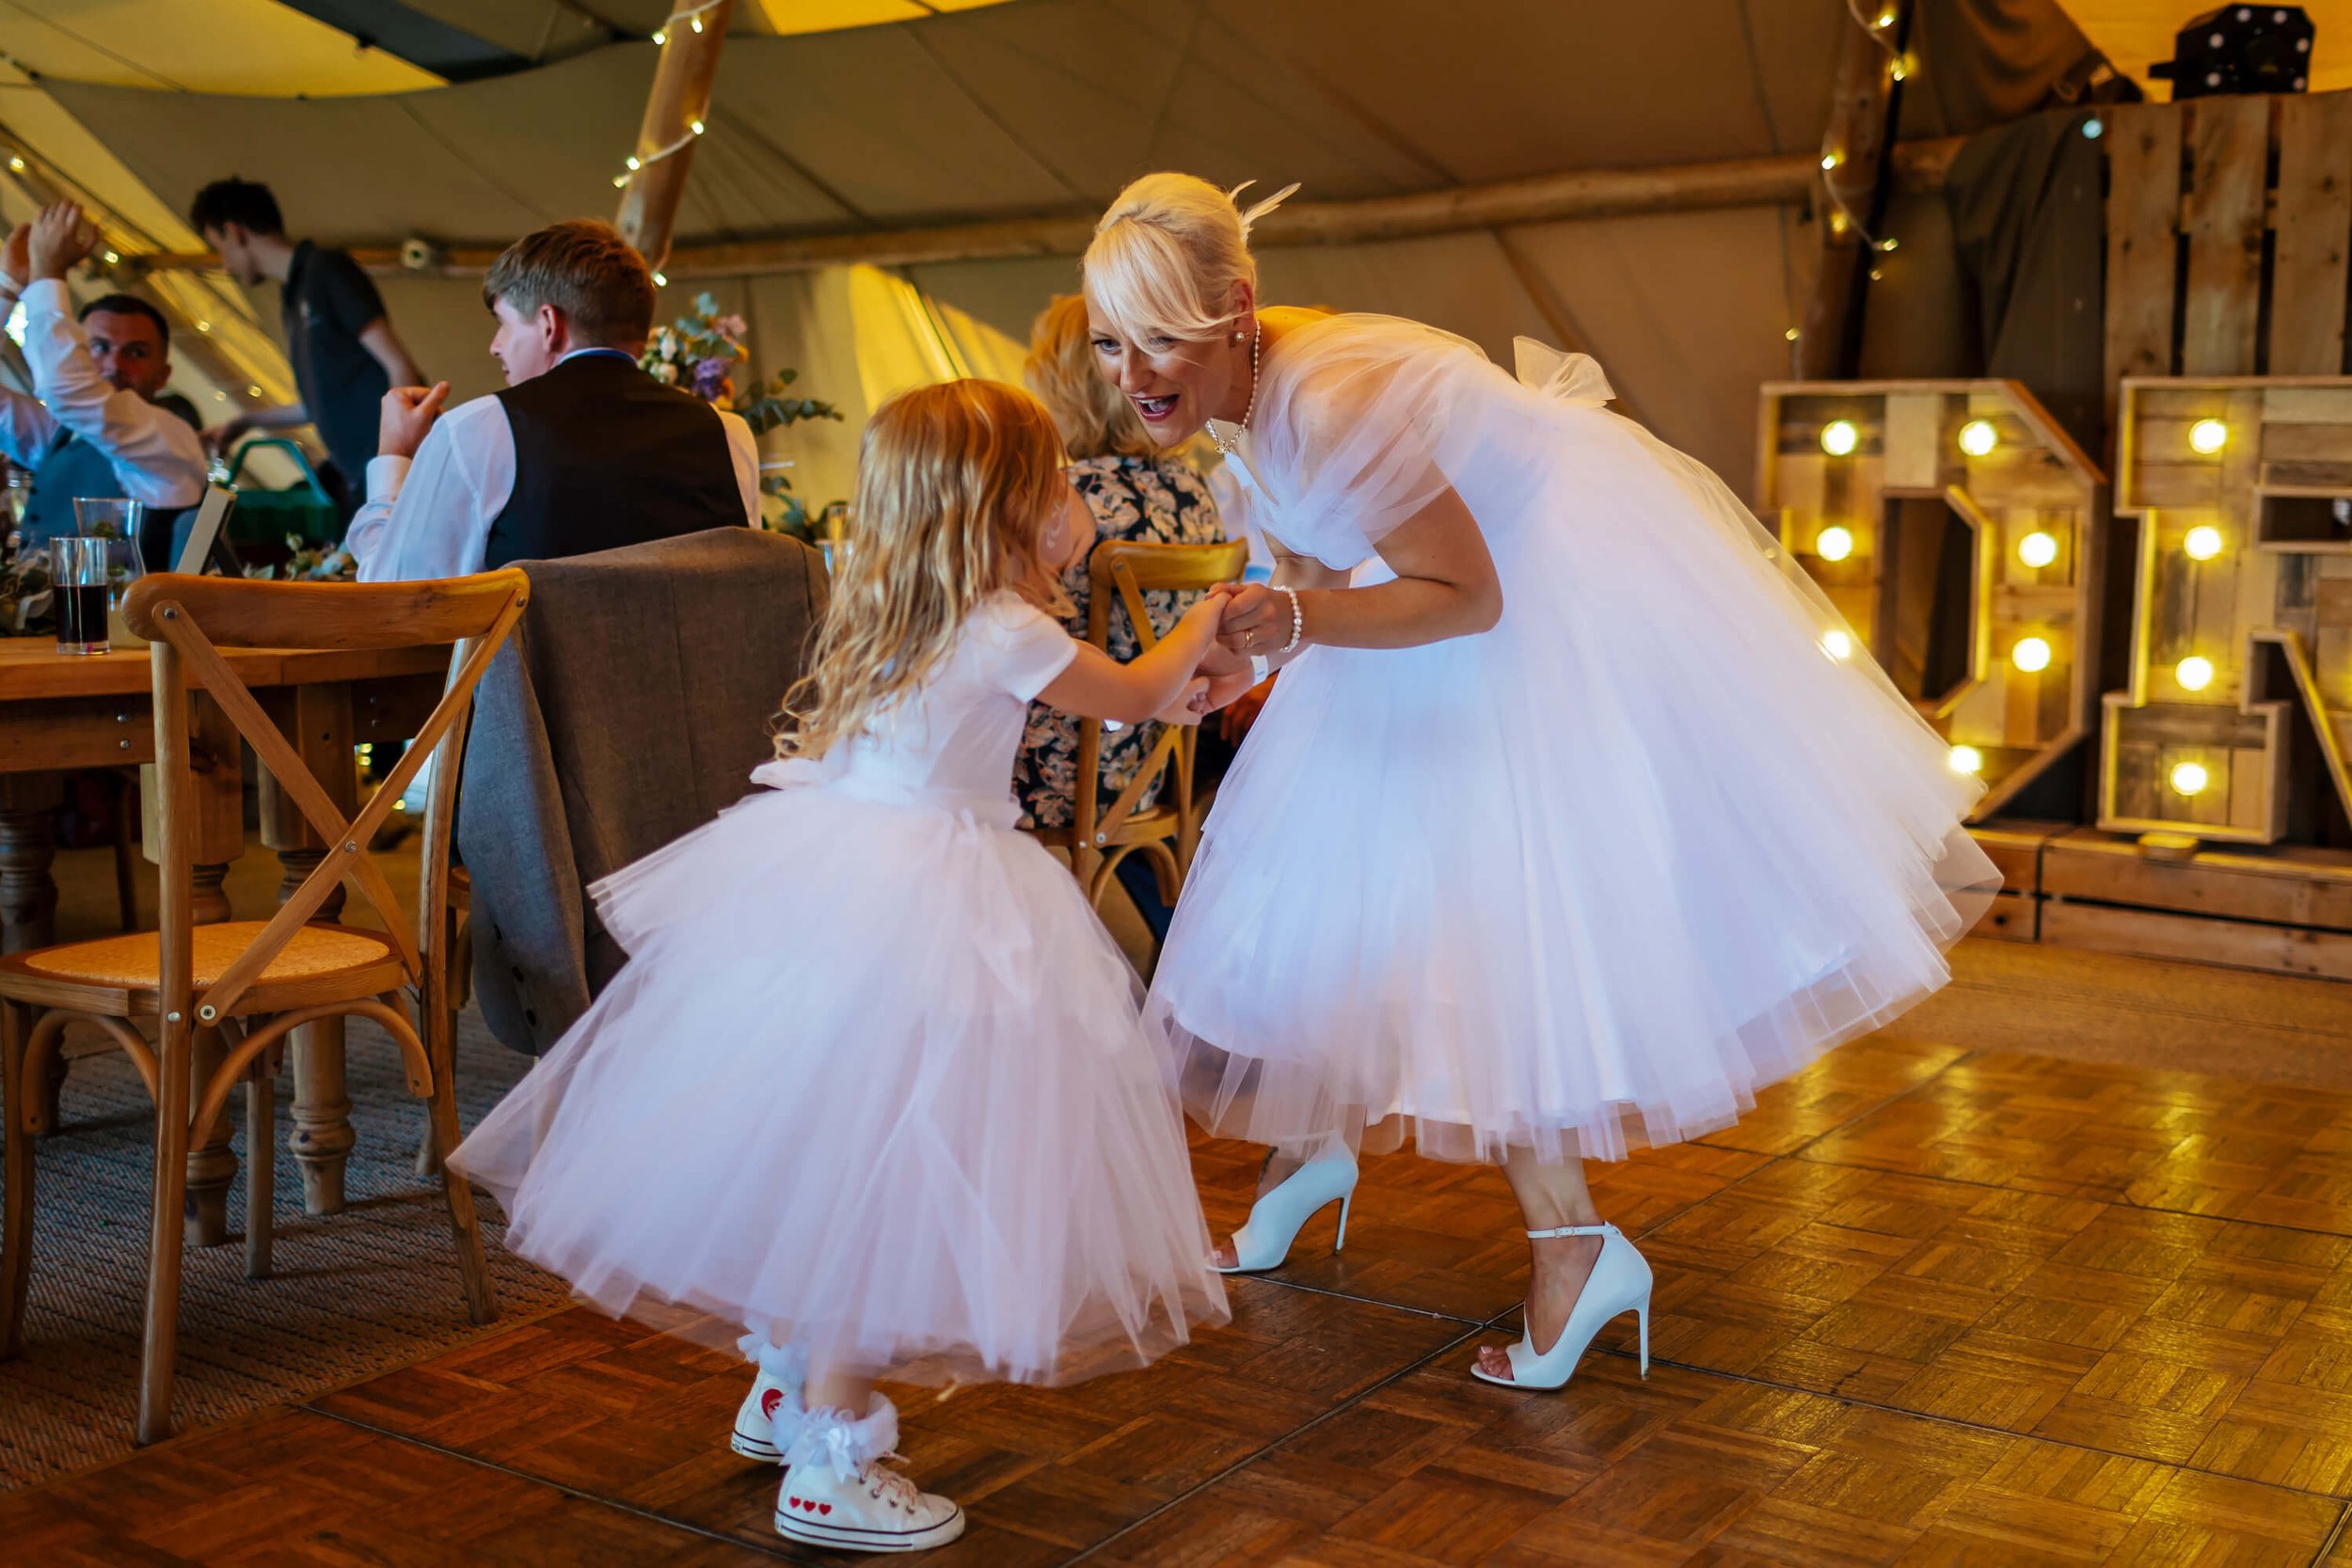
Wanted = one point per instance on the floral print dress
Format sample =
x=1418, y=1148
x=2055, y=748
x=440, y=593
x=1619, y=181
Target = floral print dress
x=1154, y=500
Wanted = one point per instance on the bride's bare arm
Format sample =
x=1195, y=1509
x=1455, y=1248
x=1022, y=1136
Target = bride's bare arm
x=1445, y=587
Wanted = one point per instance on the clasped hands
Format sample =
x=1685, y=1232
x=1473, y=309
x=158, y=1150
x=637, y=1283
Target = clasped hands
x=1251, y=618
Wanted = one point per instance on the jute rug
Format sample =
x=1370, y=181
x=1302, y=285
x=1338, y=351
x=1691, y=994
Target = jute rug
x=352, y=1294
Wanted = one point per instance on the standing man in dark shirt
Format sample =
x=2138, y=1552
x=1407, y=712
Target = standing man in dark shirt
x=344, y=352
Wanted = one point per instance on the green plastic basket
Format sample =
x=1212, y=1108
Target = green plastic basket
x=266, y=517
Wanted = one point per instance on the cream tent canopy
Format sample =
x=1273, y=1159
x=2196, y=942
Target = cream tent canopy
x=1022, y=109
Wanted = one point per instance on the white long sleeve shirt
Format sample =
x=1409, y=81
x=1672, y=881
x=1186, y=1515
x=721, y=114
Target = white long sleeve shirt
x=157, y=456
x=430, y=516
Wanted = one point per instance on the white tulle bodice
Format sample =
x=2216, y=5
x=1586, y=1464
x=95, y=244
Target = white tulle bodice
x=952, y=742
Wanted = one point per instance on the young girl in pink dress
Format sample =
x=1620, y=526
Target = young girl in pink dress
x=872, y=1091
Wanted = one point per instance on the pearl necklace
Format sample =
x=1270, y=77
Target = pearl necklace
x=1257, y=335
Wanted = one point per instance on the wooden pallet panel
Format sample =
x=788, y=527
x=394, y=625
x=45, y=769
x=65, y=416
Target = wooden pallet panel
x=2315, y=235
x=2303, y=886
x=2143, y=208
x=2233, y=943
x=2230, y=153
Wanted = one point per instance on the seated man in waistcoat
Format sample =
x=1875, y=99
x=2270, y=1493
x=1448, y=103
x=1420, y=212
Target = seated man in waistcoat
x=100, y=424
x=582, y=451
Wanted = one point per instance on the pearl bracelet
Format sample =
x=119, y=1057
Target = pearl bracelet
x=1299, y=622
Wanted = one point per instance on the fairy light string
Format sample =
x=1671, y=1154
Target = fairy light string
x=637, y=162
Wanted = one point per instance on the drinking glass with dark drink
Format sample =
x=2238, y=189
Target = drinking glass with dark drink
x=78, y=567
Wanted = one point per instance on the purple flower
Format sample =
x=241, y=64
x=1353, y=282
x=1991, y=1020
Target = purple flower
x=710, y=376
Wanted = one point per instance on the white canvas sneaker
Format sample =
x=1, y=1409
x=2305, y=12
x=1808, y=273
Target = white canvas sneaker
x=770, y=1417
x=839, y=1494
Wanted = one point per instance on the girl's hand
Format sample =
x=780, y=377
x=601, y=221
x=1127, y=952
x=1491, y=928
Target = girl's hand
x=1191, y=704
x=1198, y=627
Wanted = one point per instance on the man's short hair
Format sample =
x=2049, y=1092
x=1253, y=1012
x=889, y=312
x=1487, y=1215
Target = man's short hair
x=244, y=202
x=127, y=305
x=584, y=269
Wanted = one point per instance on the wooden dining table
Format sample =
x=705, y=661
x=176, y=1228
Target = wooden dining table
x=61, y=714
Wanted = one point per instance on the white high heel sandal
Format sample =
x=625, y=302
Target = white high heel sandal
x=1619, y=1283
x=1276, y=1218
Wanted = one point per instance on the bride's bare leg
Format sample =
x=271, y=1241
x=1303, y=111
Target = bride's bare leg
x=1549, y=1197
x=1282, y=1159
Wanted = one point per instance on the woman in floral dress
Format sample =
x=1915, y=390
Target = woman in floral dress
x=1137, y=492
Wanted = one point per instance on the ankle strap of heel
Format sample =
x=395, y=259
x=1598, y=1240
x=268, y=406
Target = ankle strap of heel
x=1601, y=1229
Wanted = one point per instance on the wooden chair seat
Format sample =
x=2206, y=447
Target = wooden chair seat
x=120, y=975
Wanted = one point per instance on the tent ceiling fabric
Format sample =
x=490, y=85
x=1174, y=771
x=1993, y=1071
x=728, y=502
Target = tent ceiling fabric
x=232, y=46
x=1022, y=107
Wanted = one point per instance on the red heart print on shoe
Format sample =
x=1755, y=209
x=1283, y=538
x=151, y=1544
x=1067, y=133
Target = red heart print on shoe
x=769, y=1400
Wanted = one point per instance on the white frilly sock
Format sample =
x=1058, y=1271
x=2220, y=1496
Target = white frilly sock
x=787, y=1363
x=830, y=1436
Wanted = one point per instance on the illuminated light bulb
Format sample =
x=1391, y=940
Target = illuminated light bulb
x=695, y=126
x=2208, y=436
x=660, y=280
x=1967, y=759
x=1977, y=437
x=1837, y=644
x=112, y=258
x=2094, y=128
x=662, y=37
x=2190, y=778
x=2037, y=549
x=254, y=391
x=1790, y=334
x=2193, y=674
x=1887, y=245
x=1834, y=544
x=16, y=165
x=2031, y=655
x=698, y=23
x=631, y=163
x=1839, y=438
x=2201, y=542
x=1831, y=160
x=619, y=181
x=204, y=327
x=1886, y=19
x=1899, y=70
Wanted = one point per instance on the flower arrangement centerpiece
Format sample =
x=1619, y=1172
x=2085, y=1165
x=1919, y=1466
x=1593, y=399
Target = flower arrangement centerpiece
x=699, y=354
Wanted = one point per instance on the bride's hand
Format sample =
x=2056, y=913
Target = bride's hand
x=1257, y=618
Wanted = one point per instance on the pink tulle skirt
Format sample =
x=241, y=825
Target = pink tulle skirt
x=873, y=1083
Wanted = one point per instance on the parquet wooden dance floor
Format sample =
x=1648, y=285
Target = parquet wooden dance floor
x=1923, y=1307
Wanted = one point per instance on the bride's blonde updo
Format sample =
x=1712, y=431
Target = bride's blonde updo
x=1166, y=257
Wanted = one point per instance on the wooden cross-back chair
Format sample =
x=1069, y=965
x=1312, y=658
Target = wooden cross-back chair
x=1100, y=836
x=251, y=982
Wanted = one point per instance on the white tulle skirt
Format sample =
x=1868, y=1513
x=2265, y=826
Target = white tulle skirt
x=1585, y=882
x=872, y=1084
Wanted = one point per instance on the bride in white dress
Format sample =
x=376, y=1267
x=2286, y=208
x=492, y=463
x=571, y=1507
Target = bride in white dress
x=1564, y=832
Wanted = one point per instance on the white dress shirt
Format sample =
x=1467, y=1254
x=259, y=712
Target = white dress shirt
x=431, y=517
x=157, y=456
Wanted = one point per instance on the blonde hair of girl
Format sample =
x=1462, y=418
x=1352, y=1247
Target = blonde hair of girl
x=1095, y=419
x=1166, y=257
x=955, y=485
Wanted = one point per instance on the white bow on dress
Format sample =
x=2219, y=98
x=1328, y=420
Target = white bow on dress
x=1571, y=377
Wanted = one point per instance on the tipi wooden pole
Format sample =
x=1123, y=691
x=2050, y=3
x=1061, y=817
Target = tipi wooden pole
x=676, y=111
x=1856, y=162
